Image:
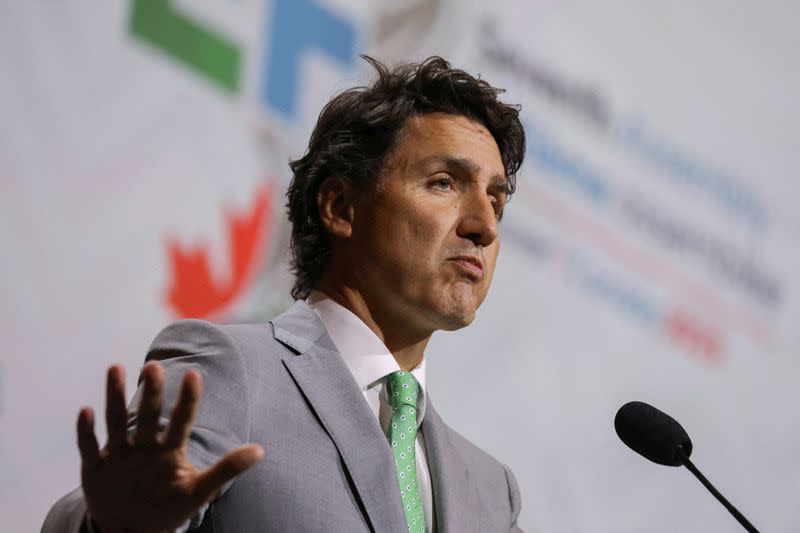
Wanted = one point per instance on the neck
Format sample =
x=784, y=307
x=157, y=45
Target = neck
x=407, y=346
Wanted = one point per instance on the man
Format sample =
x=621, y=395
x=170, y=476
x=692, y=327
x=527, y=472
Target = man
x=395, y=210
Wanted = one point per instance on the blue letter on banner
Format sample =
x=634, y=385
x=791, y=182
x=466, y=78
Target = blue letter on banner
x=297, y=26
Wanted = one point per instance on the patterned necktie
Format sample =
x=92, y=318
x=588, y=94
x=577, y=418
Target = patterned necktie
x=403, y=391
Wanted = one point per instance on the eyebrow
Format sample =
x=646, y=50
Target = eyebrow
x=497, y=183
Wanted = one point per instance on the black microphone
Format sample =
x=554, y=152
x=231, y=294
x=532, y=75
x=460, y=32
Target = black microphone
x=660, y=438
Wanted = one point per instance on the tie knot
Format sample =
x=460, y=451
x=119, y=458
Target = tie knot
x=403, y=389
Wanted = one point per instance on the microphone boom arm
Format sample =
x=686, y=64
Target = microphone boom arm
x=707, y=484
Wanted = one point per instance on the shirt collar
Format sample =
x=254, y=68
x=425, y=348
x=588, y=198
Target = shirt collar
x=366, y=356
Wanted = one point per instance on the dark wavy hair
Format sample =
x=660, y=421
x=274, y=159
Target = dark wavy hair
x=357, y=132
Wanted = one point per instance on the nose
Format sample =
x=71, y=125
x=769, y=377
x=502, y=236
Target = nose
x=478, y=220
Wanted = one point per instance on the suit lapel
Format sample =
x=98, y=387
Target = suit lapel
x=334, y=396
x=458, y=506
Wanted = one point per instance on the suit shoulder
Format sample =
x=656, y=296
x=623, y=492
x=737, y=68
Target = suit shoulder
x=195, y=327
x=201, y=336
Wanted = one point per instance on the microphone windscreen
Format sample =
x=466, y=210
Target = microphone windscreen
x=652, y=433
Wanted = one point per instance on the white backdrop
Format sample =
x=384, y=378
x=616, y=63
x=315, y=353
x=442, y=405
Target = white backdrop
x=651, y=251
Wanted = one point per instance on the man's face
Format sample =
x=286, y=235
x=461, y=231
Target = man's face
x=426, y=243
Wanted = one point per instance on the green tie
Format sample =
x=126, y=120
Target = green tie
x=403, y=391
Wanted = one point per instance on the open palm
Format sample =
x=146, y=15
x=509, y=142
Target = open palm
x=144, y=481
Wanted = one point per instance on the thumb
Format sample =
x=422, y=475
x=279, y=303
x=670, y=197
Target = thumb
x=211, y=481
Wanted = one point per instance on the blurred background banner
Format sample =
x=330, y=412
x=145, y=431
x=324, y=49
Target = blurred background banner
x=650, y=252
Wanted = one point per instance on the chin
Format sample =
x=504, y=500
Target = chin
x=454, y=325
x=457, y=319
x=455, y=310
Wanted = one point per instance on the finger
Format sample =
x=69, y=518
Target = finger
x=116, y=414
x=87, y=441
x=150, y=405
x=211, y=480
x=182, y=418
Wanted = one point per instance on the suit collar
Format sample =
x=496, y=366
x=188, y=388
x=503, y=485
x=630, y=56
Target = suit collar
x=364, y=353
x=300, y=329
x=458, y=505
x=360, y=441
x=333, y=394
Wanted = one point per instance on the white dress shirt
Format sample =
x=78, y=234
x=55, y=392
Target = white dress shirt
x=370, y=362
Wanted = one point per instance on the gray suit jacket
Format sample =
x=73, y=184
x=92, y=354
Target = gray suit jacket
x=327, y=466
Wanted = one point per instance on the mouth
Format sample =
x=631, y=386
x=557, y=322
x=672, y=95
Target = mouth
x=470, y=265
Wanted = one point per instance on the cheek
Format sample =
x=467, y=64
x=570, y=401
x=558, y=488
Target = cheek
x=408, y=240
x=420, y=232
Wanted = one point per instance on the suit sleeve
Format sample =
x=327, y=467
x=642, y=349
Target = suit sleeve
x=67, y=515
x=514, y=499
x=223, y=418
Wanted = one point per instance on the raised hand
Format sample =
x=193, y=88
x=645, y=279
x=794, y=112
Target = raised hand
x=145, y=482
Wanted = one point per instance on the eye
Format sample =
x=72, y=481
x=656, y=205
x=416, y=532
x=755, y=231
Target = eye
x=442, y=182
x=498, y=204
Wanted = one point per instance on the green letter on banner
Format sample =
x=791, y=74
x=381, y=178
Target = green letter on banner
x=158, y=23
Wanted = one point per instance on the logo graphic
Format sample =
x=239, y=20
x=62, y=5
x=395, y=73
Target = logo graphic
x=292, y=29
x=300, y=26
x=296, y=27
x=210, y=54
x=193, y=292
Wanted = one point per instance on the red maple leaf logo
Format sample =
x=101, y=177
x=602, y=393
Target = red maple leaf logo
x=193, y=292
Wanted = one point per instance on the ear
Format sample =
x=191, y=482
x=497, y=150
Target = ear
x=335, y=202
